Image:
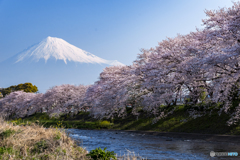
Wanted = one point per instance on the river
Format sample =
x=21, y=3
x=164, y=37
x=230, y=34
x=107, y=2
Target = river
x=151, y=147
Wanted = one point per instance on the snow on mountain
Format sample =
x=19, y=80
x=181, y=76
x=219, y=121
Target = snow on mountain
x=59, y=49
x=115, y=63
x=52, y=62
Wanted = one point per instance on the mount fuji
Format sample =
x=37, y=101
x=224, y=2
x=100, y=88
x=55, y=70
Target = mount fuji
x=52, y=62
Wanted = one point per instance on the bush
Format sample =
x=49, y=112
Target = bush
x=105, y=124
x=98, y=153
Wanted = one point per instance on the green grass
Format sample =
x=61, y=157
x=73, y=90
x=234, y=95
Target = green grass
x=7, y=133
x=6, y=150
x=82, y=120
x=208, y=124
x=179, y=121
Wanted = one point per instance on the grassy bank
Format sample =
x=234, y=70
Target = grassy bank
x=34, y=142
x=27, y=140
x=179, y=121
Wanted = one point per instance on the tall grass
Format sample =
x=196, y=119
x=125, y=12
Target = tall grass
x=34, y=142
x=37, y=143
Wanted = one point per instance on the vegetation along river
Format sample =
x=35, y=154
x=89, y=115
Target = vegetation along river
x=150, y=146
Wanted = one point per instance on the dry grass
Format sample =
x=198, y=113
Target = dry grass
x=34, y=142
x=37, y=143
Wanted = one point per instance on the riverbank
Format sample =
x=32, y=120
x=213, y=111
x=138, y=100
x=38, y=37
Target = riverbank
x=31, y=141
x=36, y=142
x=177, y=125
x=178, y=122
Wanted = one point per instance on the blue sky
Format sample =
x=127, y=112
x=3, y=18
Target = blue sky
x=110, y=29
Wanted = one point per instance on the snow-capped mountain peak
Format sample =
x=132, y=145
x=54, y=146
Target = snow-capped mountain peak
x=59, y=49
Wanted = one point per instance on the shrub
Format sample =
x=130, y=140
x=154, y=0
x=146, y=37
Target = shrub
x=98, y=153
x=105, y=124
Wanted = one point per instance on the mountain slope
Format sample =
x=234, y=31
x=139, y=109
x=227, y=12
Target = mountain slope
x=59, y=49
x=52, y=62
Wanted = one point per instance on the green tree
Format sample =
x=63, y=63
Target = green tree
x=26, y=87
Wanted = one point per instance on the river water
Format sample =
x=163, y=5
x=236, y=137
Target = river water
x=151, y=147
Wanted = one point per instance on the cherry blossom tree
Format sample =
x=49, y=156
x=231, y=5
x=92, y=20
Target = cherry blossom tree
x=110, y=94
x=59, y=99
x=166, y=73
x=222, y=41
x=200, y=65
x=35, y=105
x=63, y=98
x=16, y=104
x=202, y=61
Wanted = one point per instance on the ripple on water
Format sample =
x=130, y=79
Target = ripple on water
x=148, y=146
x=79, y=136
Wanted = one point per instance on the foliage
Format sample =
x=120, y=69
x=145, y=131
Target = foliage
x=98, y=153
x=56, y=101
x=5, y=150
x=26, y=87
x=7, y=133
x=184, y=66
x=17, y=103
x=200, y=67
x=203, y=94
x=105, y=124
x=57, y=136
x=204, y=120
x=59, y=124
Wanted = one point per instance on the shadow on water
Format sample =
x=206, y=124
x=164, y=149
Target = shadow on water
x=150, y=146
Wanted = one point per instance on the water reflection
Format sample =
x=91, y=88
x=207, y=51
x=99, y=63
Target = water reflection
x=149, y=146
